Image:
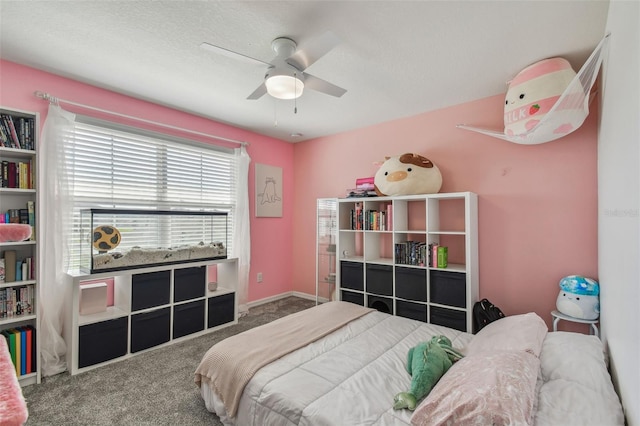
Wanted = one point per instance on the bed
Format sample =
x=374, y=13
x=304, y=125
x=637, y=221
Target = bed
x=341, y=364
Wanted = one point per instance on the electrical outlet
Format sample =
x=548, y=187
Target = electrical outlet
x=259, y=277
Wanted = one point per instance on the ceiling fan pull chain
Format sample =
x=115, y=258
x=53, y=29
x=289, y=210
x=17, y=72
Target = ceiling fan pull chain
x=295, y=90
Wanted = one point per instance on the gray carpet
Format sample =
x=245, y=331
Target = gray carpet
x=154, y=388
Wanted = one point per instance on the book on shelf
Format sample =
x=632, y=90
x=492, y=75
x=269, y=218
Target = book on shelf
x=433, y=261
x=10, y=265
x=358, y=193
x=18, y=270
x=31, y=213
x=2, y=270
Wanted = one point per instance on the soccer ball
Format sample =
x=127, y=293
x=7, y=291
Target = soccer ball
x=106, y=237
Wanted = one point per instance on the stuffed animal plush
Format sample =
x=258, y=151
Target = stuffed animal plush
x=407, y=174
x=533, y=92
x=426, y=363
x=14, y=232
x=578, y=297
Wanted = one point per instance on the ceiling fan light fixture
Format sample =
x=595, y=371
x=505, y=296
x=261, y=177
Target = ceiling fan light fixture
x=284, y=86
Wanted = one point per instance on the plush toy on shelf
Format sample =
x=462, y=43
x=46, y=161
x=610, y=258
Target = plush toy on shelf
x=13, y=232
x=533, y=92
x=407, y=174
x=426, y=363
x=578, y=297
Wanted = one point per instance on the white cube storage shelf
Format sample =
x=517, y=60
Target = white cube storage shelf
x=379, y=239
x=152, y=307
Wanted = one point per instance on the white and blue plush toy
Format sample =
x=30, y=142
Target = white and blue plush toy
x=578, y=297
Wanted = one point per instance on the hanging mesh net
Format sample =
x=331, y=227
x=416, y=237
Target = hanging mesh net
x=569, y=111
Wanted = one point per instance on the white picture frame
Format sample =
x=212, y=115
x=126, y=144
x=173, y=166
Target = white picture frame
x=268, y=191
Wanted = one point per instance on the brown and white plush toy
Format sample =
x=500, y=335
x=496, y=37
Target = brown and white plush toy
x=407, y=174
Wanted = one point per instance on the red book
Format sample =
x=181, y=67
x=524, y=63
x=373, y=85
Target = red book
x=12, y=175
x=29, y=350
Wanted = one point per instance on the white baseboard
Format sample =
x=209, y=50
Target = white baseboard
x=281, y=296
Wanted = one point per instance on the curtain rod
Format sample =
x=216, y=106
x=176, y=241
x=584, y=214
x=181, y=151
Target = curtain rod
x=55, y=100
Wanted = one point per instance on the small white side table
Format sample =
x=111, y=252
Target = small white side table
x=557, y=316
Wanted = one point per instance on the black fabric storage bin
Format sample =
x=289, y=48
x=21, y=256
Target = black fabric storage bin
x=411, y=283
x=102, y=341
x=448, y=288
x=351, y=275
x=150, y=289
x=221, y=309
x=382, y=304
x=150, y=329
x=189, y=283
x=188, y=318
x=349, y=296
x=448, y=318
x=411, y=310
x=380, y=279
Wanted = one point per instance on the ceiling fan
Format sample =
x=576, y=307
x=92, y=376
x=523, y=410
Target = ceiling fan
x=285, y=77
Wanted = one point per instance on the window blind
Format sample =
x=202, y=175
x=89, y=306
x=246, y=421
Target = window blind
x=113, y=166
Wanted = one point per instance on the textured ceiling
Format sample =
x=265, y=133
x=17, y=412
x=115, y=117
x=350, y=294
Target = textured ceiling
x=396, y=58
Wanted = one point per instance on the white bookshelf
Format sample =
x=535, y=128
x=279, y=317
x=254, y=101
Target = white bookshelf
x=17, y=198
x=372, y=273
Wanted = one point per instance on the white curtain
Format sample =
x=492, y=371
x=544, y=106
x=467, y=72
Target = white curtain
x=241, y=229
x=55, y=204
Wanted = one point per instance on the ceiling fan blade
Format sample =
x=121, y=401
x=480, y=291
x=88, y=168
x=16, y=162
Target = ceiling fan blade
x=320, y=85
x=231, y=54
x=314, y=49
x=257, y=94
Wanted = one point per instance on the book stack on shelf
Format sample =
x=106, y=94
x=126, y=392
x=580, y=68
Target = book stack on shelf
x=372, y=219
x=13, y=269
x=16, y=174
x=412, y=253
x=16, y=301
x=17, y=132
x=364, y=188
x=22, y=348
x=438, y=256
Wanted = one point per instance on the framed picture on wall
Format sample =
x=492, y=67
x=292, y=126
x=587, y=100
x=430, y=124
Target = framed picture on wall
x=268, y=191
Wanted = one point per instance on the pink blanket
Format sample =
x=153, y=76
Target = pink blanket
x=13, y=408
x=229, y=365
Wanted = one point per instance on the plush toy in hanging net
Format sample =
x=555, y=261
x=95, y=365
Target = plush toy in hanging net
x=547, y=100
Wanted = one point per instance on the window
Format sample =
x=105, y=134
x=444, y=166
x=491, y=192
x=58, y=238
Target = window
x=113, y=166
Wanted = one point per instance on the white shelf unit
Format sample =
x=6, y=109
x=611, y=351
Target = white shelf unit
x=374, y=272
x=138, y=321
x=15, y=199
x=326, y=234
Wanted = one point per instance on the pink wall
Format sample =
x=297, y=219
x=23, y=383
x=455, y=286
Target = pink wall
x=537, y=204
x=271, y=248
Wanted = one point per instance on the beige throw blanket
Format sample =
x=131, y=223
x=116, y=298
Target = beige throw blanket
x=229, y=365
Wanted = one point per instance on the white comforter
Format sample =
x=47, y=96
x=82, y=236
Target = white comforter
x=351, y=376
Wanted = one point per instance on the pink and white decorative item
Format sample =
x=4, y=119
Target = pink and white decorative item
x=14, y=232
x=532, y=94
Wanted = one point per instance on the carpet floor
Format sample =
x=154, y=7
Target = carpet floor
x=153, y=388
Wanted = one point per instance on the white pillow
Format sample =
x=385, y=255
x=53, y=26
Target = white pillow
x=495, y=388
x=524, y=332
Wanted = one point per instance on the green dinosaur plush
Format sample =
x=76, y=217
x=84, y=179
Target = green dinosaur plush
x=426, y=363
